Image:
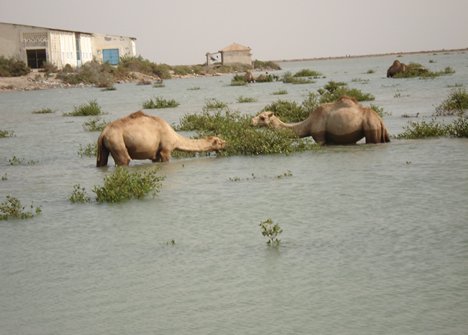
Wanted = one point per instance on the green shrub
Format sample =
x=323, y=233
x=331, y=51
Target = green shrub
x=159, y=102
x=458, y=128
x=89, y=150
x=241, y=137
x=214, y=104
x=89, y=109
x=79, y=195
x=13, y=209
x=417, y=70
x=125, y=185
x=280, y=92
x=271, y=232
x=332, y=91
x=238, y=80
x=243, y=99
x=433, y=128
x=12, y=67
x=287, y=111
x=265, y=65
x=95, y=124
x=456, y=103
x=6, y=133
x=43, y=111
x=308, y=73
x=289, y=78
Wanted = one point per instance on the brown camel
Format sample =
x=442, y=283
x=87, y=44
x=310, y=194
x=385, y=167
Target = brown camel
x=342, y=122
x=141, y=136
x=396, y=68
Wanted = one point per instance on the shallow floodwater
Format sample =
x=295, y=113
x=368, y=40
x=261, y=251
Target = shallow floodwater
x=375, y=237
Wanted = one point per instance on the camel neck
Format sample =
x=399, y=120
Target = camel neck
x=188, y=144
x=299, y=128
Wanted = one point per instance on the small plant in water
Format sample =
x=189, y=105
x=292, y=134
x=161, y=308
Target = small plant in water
x=243, y=99
x=124, y=185
x=43, y=111
x=13, y=209
x=95, y=124
x=271, y=232
x=90, y=150
x=455, y=103
x=91, y=108
x=79, y=195
x=159, y=102
x=6, y=133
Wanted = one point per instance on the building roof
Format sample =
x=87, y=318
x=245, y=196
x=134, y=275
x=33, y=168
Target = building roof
x=235, y=47
x=56, y=29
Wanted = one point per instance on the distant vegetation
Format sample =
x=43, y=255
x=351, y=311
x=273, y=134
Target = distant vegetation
x=12, y=67
x=417, y=70
x=333, y=90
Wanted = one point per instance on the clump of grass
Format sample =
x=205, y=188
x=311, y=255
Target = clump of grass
x=333, y=90
x=455, y=103
x=159, y=102
x=6, y=133
x=458, y=128
x=280, y=92
x=79, y=195
x=243, y=99
x=124, y=185
x=12, y=208
x=90, y=150
x=266, y=78
x=43, y=111
x=289, y=78
x=433, y=128
x=308, y=73
x=380, y=110
x=238, y=80
x=88, y=109
x=370, y=71
x=95, y=124
x=15, y=161
x=214, y=104
x=194, y=88
x=271, y=232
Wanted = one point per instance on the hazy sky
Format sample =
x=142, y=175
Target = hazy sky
x=182, y=31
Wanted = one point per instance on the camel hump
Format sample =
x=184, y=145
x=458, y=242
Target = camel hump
x=136, y=115
x=347, y=100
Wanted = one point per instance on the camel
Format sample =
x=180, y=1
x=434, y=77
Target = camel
x=342, y=122
x=141, y=136
x=396, y=68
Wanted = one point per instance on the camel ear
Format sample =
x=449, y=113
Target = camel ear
x=270, y=114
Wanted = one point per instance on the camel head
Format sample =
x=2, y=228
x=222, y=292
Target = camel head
x=217, y=144
x=263, y=119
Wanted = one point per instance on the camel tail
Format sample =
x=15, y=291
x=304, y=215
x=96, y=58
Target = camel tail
x=102, y=153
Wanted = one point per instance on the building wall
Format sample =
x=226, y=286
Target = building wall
x=60, y=46
x=125, y=45
x=237, y=57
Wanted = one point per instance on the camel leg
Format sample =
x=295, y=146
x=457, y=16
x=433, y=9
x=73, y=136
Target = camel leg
x=119, y=153
x=373, y=135
x=320, y=138
x=164, y=155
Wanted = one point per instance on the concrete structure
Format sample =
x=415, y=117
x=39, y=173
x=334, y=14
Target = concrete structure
x=232, y=54
x=36, y=45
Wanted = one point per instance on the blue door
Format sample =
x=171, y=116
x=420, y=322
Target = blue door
x=110, y=56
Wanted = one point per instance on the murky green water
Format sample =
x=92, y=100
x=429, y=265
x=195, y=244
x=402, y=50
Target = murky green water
x=375, y=237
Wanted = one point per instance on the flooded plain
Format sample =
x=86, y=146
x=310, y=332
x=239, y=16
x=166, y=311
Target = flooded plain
x=375, y=237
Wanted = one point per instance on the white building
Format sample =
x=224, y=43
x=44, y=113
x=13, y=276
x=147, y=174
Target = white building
x=36, y=45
